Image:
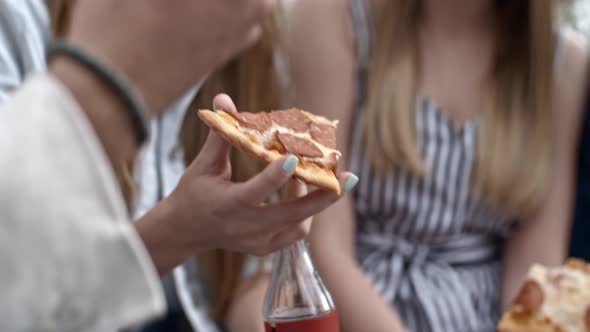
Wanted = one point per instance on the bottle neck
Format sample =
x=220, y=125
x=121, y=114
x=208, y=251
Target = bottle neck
x=292, y=261
x=296, y=250
x=296, y=290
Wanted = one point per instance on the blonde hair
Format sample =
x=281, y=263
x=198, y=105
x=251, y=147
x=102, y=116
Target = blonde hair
x=515, y=149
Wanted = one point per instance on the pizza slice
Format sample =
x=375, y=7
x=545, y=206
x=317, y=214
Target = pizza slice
x=552, y=299
x=270, y=136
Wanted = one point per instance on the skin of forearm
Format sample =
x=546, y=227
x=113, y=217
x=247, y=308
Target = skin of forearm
x=371, y=313
x=245, y=313
x=156, y=229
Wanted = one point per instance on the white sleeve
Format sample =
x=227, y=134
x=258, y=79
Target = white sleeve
x=69, y=257
x=24, y=34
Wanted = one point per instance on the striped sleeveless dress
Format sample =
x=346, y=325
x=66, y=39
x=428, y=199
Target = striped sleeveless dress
x=429, y=244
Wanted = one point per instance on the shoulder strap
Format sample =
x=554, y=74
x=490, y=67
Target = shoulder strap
x=360, y=19
x=361, y=28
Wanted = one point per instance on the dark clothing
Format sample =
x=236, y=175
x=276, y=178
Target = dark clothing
x=580, y=242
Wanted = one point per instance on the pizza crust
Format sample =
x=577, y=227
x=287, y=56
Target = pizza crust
x=513, y=322
x=227, y=127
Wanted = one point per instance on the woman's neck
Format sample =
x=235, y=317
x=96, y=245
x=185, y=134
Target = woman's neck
x=458, y=17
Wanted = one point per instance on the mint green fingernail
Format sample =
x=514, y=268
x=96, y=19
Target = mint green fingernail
x=290, y=164
x=350, y=183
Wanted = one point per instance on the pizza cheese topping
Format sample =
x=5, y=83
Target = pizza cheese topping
x=566, y=293
x=560, y=295
x=311, y=138
x=324, y=134
x=257, y=121
x=293, y=119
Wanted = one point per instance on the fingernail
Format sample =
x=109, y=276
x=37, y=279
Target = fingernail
x=290, y=165
x=350, y=183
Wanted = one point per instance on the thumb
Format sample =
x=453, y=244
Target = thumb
x=225, y=103
x=214, y=155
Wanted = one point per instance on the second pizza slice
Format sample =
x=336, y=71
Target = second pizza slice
x=553, y=299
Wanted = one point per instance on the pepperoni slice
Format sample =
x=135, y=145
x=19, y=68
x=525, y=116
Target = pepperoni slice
x=299, y=146
x=530, y=297
x=293, y=119
x=324, y=134
x=257, y=121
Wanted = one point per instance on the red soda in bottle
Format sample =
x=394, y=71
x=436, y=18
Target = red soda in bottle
x=296, y=299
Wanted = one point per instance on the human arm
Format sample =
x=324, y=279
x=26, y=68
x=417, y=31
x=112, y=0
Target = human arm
x=322, y=57
x=245, y=311
x=207, y=211
x=543, y=237
x=359, y=305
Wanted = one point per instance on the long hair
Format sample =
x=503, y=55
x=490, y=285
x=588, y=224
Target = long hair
x=515, y=146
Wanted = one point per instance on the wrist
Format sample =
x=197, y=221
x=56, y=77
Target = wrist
x=182, y=225
x=168, y=243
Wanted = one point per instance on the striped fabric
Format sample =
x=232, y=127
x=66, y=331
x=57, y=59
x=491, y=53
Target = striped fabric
x=429, y=244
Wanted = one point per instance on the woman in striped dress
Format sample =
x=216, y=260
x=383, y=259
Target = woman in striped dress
x=447, y=115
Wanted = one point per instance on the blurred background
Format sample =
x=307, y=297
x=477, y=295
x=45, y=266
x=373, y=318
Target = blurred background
x=577, y=13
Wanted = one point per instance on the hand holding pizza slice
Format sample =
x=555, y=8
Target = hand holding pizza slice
x=270, y=136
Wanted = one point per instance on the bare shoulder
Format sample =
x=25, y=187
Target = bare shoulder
x=571, y=78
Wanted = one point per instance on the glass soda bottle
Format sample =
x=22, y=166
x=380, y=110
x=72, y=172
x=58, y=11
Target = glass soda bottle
x=296, y=299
